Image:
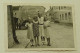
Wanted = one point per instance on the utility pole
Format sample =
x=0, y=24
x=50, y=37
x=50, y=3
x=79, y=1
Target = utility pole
x=12, y=23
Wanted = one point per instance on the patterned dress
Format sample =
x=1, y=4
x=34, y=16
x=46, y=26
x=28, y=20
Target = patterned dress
x=35, y=29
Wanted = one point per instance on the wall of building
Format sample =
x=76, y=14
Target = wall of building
x=62, y=13
x=65, y=17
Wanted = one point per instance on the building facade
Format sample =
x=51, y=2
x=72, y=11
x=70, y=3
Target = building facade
x=61, y=14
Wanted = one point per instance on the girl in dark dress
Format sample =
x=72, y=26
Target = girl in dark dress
x=36, y=31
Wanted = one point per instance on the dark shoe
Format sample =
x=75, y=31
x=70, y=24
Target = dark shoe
x=25, y=46
x=43, y=44
x=35, y=45
x=32, y=45
x=48, y=42
x=41, y=38
x=38, y=45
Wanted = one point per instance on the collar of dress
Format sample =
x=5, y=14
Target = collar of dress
x=35, y=22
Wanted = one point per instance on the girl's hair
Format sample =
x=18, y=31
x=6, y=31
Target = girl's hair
x=35, y=18
x=30, y=20
x=45, y=18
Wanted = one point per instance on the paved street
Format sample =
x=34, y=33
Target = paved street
x=61, y=37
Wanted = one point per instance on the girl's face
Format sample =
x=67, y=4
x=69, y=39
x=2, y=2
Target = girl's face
x=30, y=21
x=46, y=18
x=35, y=19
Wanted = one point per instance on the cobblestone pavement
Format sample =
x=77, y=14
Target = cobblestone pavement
x=61, y=37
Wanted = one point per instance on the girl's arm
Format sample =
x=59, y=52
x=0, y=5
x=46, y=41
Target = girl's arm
x=26, y=25
x=48, y=23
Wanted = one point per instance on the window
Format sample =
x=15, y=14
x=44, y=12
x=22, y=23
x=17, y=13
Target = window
x=63, y=16
x=69, y=15
x=59, y=7
x=60, y=17
x=66, y=16
x=64, y=6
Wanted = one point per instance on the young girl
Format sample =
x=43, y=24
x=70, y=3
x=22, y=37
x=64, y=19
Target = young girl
x=46, y=30
x=30, y=31
x=36, y=30
x=41, y=29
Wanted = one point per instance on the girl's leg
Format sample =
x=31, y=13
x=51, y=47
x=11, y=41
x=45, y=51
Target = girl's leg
x=38, y=40
x=35, y=41
x=31, y=42
x=43, y=40
x=48, y=42
x=43, y=36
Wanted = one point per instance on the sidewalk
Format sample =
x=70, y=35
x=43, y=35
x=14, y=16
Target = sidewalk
x=61, y=37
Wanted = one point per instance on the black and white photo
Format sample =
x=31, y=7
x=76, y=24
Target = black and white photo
x=40, y=26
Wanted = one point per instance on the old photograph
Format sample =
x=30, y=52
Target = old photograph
x=40, y=26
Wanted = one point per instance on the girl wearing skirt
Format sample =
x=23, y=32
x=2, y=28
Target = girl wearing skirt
x=30, y=31
x=36, y=31
x=46, y=30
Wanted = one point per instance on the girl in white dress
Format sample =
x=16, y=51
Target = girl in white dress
x=30, y=31
x=46, y=30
